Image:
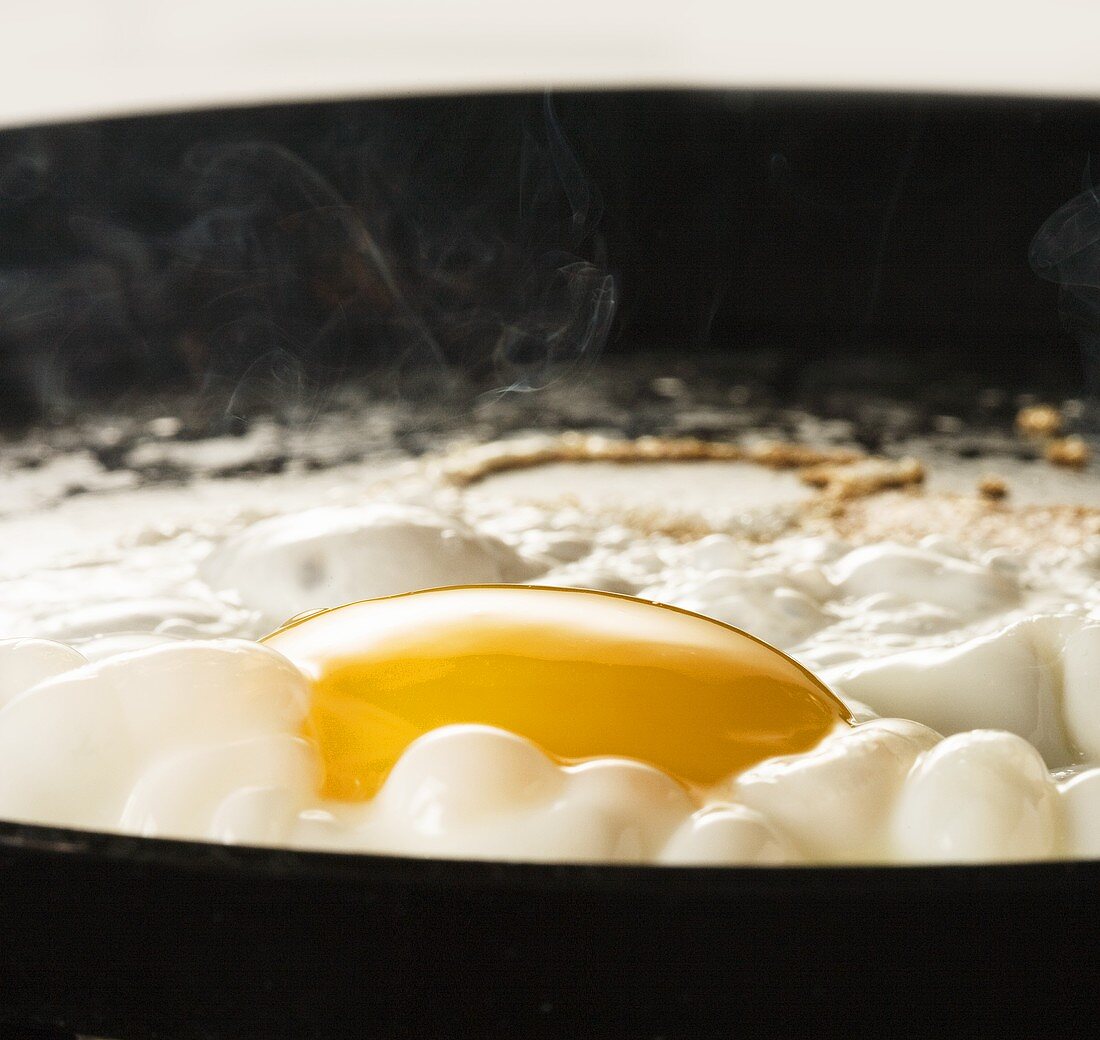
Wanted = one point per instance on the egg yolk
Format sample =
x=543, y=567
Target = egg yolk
x=582, y=674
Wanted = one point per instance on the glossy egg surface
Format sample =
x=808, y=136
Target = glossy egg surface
x=582, y=674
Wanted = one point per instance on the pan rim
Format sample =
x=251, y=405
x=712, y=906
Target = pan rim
x=110, y=852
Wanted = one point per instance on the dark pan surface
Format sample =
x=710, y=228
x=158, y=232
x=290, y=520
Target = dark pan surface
x=131, y=937
x=207, y=250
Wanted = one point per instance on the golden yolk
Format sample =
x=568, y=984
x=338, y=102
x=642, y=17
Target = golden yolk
x=582, y=674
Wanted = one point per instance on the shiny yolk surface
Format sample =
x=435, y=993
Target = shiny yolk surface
x=582, y=674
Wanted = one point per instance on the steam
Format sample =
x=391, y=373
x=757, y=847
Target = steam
x=567, y=323
x=294, y=284
x=1066, y=251
x=279, y=272
x=259, y=273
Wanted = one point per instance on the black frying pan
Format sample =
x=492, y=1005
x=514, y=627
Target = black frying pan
x=138, y=938
x=149, y=253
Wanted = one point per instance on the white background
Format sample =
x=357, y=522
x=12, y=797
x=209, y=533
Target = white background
x=79, y=58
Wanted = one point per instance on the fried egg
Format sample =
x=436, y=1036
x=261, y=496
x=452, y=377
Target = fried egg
x=651, y=700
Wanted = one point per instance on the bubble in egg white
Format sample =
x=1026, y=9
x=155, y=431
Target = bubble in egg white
x=728, y=835
x=835, y=801
x=189, y=693
x=27, y=662
x=615, y=822
x=68, y=759
x=1080, y=662
x=185, y=795
x=714, y=552
x=1080, y=797
x=74, y=746
x=480, y=792
x=925, y=576
x=810, y=580
x=1010, y=680
x=323, y=557
x=257, y=816
x=636, y=806
x=456, y=775
x=983, y=796
x=757, y=603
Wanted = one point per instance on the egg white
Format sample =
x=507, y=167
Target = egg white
x=145, y=705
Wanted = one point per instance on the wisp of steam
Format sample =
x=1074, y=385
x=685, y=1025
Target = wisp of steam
x=1066, y=251
x=255, y=261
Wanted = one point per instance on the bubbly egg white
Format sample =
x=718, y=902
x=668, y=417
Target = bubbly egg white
x=133, y=696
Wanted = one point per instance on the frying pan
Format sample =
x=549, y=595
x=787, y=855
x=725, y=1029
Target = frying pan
x=130, y=937
x=831, y=229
